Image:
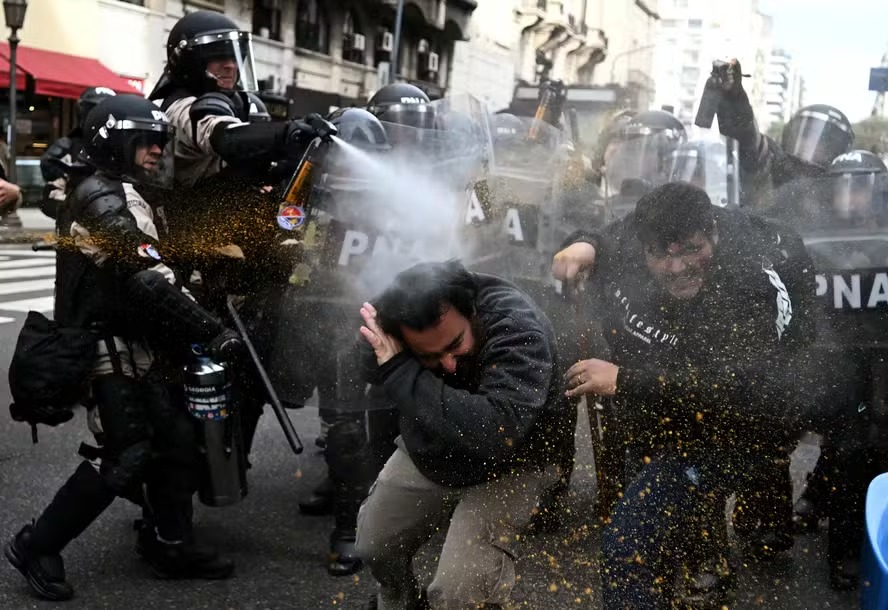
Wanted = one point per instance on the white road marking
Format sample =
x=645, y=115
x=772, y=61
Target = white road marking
x=6, y=320
x=29, y=286
x=11, y=274
x=29, y=253
x=21, y=262
x=38, y=304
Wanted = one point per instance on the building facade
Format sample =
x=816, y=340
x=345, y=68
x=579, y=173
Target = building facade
x=320, y=53
x=692, y=34
x=784, y=87
x=484, y=65
x=630, y=28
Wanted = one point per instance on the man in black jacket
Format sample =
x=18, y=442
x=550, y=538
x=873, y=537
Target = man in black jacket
x=708, y=313
x=472, y=366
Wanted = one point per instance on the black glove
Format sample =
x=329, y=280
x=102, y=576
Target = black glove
x=226, y=346
x=321, y=127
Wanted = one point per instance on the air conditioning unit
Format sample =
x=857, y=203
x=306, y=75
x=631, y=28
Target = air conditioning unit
x=431, y=63
x=386, y=42
x=422, y=47
x=358, y=42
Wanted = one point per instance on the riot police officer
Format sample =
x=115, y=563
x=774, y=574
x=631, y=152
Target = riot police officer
x=203, y=90
x=108, y=265
x=299, y=367
x=641, y=158
x=814, y=136
x=845, y=238
x=61, y=159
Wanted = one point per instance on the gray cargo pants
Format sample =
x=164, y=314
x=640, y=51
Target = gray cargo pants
x=477, y=564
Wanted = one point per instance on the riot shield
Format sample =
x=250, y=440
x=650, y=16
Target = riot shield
x=844, y=222
x=712, y=164
x=513, y=215
x=360, y=217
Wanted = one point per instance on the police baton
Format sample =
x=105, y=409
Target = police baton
x=279, y=411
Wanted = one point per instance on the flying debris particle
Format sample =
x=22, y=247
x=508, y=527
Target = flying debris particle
x=553, y=588
x=299, y=473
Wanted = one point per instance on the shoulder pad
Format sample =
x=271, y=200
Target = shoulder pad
x=60, y=148
x=96, y=195
x=212, y=104
x=59, y=158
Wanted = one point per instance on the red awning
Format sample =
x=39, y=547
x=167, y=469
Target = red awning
x=4, y=75
x=62, y=75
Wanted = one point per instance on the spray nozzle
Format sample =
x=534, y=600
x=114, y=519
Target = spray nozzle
x=323, y=128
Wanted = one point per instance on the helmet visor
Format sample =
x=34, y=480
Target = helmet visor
x=420, y=116
x=816, y=137
x=709, y=165
x=227, y=57
x=860, y=198
x=641, y=155
x=149, y=153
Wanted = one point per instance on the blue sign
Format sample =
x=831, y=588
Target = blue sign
x=878, y=79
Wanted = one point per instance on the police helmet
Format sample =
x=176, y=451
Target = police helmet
x=642, y=150
x=88, y=100
x=204, y=36
x=403, y=104
x=818, y=134
x=129, y=138
x=859, y=187
x=360, y=128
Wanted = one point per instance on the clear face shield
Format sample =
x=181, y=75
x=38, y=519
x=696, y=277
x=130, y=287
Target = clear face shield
x=527, y=158
x=228, y=58
x=453, y=151
x=860, y=199
x=419, y=165
x=640, y=159
x=816, y=137
x=712, y=165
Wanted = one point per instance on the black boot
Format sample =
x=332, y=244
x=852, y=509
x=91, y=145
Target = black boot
x=45, y=573
x=344, y=560
x=810, y=508
x=36, y=550
x=182, y=560
x=320, y=502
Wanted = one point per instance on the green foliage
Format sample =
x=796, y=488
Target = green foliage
x=872, y=135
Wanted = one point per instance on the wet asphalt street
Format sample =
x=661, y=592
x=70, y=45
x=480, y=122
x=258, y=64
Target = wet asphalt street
x=280, y=554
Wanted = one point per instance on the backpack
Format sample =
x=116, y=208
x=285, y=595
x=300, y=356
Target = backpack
x=50, y=371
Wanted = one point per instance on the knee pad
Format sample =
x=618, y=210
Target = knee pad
x=127, y=470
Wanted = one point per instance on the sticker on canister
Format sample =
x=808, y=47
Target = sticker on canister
x=291, y=217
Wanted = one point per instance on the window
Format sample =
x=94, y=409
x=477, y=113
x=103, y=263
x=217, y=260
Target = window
x=312, y=27
x=681, y=3
x=426, y=61
x=354, y=43
x=669, y=23
x=216, y=5
x=695, y=23
x=267, y=19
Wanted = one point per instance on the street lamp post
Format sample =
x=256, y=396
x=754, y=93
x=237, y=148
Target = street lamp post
x=625, y=54
x=396, y=51
x=14, y=10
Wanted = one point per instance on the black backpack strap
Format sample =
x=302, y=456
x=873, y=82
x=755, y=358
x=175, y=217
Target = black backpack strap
x=90, y=452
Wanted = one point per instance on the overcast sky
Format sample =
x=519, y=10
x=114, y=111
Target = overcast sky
x=835, y=43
